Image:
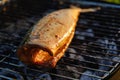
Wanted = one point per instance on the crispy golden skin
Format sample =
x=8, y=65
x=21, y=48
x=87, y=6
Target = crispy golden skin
x=49, y=38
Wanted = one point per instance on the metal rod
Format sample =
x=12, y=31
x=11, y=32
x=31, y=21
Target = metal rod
x=88, y=68
x=95, y=27
x=83, y=49
x=106, y=22
x=85, y=61
x=81, y=73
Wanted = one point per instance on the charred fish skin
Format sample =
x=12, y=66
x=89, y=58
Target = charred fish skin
x=48, y=40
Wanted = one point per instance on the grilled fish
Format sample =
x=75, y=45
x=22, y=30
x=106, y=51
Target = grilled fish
x=48, y=40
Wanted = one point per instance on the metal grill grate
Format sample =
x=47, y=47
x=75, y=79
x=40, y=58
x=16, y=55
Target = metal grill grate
x=93, y=53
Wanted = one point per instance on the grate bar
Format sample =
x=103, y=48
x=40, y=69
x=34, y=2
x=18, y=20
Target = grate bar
x=109, y=54
x=88, y=68
x=5, y=36
x=80, y=24
x=104, y=48
x=103, y=34
x=101, y=58
x=15, y=65
x=36, y=70
x=63, y=57
x=102, y=17
x=118, y=45
x=83, y=49
x=98, y=42
x=92, y=3
x=83, y=73
x=54, y=74
x=101, y=29
x=9, y=56
x=95, y=46
x=63, y=76
x=74, y=65
x=72, y=59
x=102, y=23
x=4, y=57
x=98, y=57
x=5, y=77
x=90, y=62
